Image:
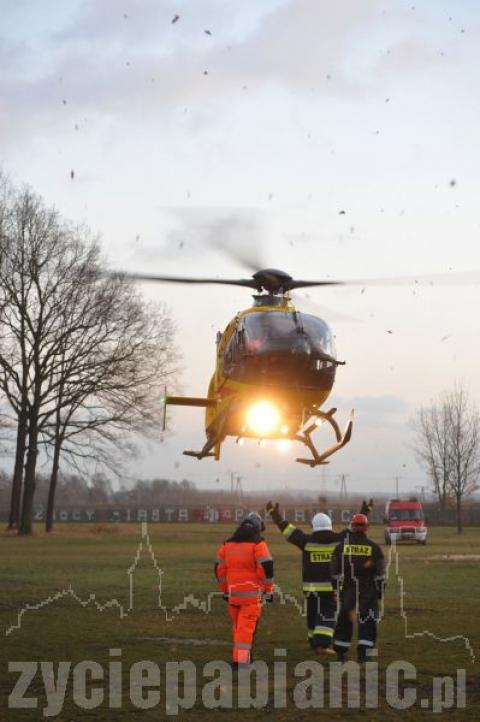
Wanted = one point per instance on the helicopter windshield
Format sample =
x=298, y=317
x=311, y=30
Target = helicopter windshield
x=268, y=332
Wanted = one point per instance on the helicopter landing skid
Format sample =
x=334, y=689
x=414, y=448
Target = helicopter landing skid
x=341, y=439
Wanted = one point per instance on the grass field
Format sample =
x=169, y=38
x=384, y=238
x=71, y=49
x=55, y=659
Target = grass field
x=440, y=596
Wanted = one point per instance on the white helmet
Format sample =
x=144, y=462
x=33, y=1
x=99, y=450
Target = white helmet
x=321, y=522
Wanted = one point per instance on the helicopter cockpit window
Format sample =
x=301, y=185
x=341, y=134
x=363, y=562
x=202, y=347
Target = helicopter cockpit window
x=286, y=332
x=281, y=348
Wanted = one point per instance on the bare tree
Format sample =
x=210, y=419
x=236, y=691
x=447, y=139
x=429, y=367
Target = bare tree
x=432, y=448
x=109, y=379
x=79, y=352
x=447, y=444
x=464, y=433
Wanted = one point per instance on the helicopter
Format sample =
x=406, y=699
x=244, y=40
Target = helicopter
x=276, y=366
x=275, y=369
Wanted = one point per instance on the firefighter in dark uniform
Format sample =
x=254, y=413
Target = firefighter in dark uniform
x=358, y=573
x=317, y=549
x=366, y=507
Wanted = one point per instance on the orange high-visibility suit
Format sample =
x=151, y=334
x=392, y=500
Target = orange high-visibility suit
x=244, y=571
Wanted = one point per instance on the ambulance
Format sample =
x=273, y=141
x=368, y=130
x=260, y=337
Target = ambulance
x=404, y=520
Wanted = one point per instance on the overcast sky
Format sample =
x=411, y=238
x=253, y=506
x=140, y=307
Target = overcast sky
x=325, y=137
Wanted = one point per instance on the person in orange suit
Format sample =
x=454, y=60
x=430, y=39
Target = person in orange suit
x=244, y=572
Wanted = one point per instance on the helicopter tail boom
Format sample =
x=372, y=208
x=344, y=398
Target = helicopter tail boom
x=189, y=401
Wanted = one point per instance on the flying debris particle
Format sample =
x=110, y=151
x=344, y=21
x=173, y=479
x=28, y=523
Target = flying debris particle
x=125, y=16
x=377, y=132
x=181, y=244
x=137, y=237
x=64, y=101
x=362, y=291
x=244, y=87
x=388, y=331
x=177, y=464
x=205, y=72
x=175, y=19
x=207, y=32
x=462, y=30
x=341, y=213
x=352, y=229
x=72, y=174
x=453, y=183
x=75, y=127
x=387, y=100
x=270, y=196
x=329, y=77
x=444, y=338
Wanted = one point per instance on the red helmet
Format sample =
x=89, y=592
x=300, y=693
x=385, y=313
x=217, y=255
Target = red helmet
x=359, y=522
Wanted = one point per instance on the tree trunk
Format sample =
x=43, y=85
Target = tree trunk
x=53, y=485
x=459, y=513
x=29, y=486
x=16, y=495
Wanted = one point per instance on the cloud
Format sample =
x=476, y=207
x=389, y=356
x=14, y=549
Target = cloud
x=385, y=411
x=132, y=63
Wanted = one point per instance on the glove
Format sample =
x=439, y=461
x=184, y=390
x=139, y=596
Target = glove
x=274, y=512
x=268, y=597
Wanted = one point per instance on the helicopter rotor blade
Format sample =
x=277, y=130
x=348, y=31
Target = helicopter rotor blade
x=449, y=278
x=245, y=253
x=248, y=282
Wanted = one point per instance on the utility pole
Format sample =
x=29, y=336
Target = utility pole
x=422, y=491
x=397, y=479
x=324, y=481
x=343, y=486
x=238, y=487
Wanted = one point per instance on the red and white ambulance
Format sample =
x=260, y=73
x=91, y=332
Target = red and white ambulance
x=404, y=520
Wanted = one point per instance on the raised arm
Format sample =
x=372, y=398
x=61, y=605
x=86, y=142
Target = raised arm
x=291, y=533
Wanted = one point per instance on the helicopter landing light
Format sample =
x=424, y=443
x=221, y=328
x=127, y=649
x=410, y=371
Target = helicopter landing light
x=263, y=418
x=284, y=429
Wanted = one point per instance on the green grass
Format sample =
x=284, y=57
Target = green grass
x=440, y=596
